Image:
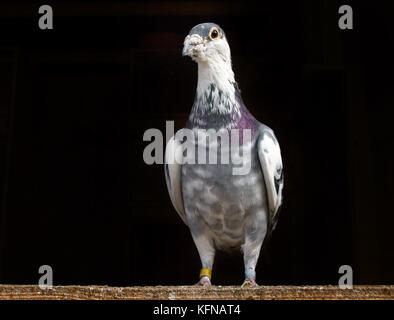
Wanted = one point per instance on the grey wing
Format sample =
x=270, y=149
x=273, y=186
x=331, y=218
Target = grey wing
x=173, y=173
x=272, y=167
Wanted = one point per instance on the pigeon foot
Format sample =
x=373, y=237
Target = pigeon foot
x=204, y=282
x=249, y=283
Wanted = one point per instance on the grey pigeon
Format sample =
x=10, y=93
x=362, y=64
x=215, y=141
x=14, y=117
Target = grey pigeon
x=224, y=210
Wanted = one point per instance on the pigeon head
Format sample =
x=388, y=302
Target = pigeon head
x=218, y=101
x=206, y=42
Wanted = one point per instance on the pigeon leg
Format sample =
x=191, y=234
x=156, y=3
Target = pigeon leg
x=255, y=231
x=251, y=255
x=251, y=252
x=206, y=251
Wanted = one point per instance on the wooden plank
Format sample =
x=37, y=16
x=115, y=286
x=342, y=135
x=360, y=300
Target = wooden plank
x=33, y=292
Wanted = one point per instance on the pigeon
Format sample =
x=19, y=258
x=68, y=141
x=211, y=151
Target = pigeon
x=224, y=209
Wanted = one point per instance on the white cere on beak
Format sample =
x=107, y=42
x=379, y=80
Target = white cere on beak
x=193, y=45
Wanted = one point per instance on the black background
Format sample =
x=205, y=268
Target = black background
x=76, y=100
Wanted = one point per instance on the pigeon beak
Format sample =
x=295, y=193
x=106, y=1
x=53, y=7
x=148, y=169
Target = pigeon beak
x=192, y=45
x=185, y=50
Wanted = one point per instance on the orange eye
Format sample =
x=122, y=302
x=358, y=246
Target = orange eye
x=214, y=34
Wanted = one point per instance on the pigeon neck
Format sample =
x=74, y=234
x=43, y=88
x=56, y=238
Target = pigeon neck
x=217, y=73
x=216, y=105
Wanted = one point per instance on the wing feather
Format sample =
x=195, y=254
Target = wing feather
x=173, y=173
x=271, y=164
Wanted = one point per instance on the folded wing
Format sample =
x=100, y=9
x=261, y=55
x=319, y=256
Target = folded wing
x=173, y=173
x=271, y=164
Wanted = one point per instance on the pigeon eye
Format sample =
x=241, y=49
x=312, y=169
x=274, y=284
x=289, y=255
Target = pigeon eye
x=214, y=34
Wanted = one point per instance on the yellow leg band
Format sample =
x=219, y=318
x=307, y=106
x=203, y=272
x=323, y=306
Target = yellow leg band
x=205, y=272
